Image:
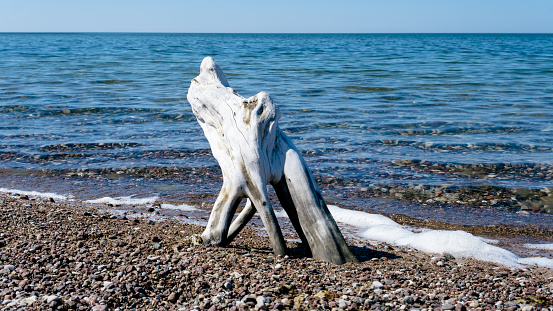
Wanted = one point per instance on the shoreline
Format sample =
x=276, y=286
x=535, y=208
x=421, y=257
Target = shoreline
x=60, y=255
x=139, y=192
x=202, y=184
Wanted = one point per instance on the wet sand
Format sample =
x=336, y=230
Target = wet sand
x=63, y=256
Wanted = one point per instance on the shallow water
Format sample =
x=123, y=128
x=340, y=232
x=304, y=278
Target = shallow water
x=371, y=110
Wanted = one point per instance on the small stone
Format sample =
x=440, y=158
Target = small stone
x=278, y=267
x=108, y=285
x=260, y=302
x=100, y=308
x=460, y=307
x=228, y=285
x=51, y=298
x=248, y=298
x=448, y=307
x=173, y=297
x=324, y=294
x=28, y=300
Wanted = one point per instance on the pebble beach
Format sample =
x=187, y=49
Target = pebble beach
x=70, y=256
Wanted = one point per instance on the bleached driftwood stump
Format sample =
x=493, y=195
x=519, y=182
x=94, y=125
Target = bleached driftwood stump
x=253, y=152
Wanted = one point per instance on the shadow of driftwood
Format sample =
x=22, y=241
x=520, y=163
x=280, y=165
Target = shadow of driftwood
x=362, y=253
x=298, y=250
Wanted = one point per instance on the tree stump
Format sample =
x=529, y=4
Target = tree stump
x=253, y=152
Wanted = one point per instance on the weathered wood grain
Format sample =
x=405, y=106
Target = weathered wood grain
x=253, y=152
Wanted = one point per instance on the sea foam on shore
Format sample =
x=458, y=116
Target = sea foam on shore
x=457, y=243
x=371, y=227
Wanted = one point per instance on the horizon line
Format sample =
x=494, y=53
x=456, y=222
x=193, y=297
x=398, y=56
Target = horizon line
x=259, y=33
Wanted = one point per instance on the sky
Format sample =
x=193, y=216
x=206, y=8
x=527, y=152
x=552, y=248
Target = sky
x=282, y=16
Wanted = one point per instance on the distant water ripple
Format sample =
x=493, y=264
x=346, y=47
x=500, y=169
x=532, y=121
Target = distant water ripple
x=92, y=101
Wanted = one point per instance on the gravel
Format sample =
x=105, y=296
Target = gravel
x=59, y=256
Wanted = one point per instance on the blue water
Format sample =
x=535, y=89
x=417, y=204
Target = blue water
x=356, y=104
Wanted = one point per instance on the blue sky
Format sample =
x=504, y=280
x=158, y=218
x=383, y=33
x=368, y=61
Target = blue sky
x=276, y=16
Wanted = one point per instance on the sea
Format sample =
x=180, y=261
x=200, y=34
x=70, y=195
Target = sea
x=450, y=127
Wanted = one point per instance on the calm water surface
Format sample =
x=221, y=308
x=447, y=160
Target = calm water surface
x=368, y=108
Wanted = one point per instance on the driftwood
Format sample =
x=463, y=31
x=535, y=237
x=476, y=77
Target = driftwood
x=253, y=152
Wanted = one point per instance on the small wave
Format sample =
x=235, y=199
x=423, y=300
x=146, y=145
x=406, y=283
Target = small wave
x=392, y=97
x=61, y=111
x=540, y=246
x=365, y=89
x=490, y=147
x=87, y=146
x=111, y=81
x=182, y=207
x=123, y=201
x=60, y=153
x=164, y=100
x=313, y=92
x=52, y=195
x=179, y=117
x=417, y=130
x=14, y=108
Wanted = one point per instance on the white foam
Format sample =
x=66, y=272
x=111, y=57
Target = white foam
x=540, y=246
x=192, y=221
x=457, y=243
x=537, y=261
x=54, y=196
x=182, y=207
x=123, y=201
x=358, y=218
